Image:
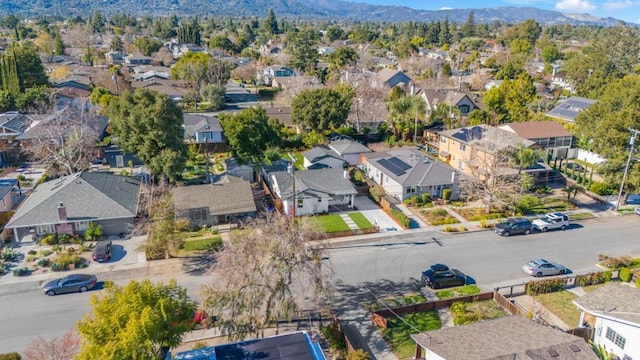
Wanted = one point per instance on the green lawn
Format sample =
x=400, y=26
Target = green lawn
x=331, y=223
x=561, y=304
x=360, y=220
x=458, y=291
x=552, y=204
x=206, y=243
x=397, y=333
x=581, y=216
x=299, y=159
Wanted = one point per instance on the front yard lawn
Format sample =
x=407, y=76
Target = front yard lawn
x=208, y=243
x=552, y=204
x=360, y=220
x=331, y=223
x=459, y=291
x=438, y=216
x=561, y=304
x=398, y=331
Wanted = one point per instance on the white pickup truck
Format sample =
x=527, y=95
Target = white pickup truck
x=552, y=221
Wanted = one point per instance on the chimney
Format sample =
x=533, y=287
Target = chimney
x=345, y=173
x=62, y=213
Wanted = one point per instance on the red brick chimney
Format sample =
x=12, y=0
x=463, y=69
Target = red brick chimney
x=62, y=213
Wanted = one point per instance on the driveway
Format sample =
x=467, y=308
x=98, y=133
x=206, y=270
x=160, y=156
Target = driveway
x=375, y=214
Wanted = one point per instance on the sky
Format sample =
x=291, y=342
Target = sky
x=626, y=10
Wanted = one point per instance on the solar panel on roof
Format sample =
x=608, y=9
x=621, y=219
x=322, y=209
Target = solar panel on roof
x=399, y=163
x=395, y=170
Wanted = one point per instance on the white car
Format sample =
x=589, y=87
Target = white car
x=638, y=210
x=552, y=221
x=542, y=267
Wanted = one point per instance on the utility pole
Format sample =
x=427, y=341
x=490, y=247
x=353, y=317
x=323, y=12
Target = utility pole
x=293, y=186
x=632, y=142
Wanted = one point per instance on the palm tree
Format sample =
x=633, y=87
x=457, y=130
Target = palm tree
x=524, y=157
x=402, y=111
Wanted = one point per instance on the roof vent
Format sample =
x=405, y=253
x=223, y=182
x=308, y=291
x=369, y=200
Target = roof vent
x=553, y=353
x=574, y=348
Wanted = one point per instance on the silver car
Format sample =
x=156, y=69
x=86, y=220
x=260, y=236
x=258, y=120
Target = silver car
x=542, y=267
x=70, y=283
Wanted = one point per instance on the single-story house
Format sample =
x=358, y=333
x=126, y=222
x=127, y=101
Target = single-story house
x=292, y=346
x=280, y=165
x=407, y=172
x=243, y=171
x=510, y=337
x=349, y=150
x=115, y=157
x=202, y=129
x=569, y=109
x=68, y=204
x=226, y=199
x=137, y=60
x=9, y=190
x=388, y=78
x=313, y=191
x=616, y=310
x=320, y=157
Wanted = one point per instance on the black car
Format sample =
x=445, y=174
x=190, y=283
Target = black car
x=514, y=226
x=102, y=252
x=441, y=276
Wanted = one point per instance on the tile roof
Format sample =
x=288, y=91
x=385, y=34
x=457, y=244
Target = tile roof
x=570, y=108
x=86, y=196
x=488, y=138
x=537, y=129
x=347, y=147
x=614, y=301
x=316, y=181
x=511, y=337
x=421, y=169
x=225, y=195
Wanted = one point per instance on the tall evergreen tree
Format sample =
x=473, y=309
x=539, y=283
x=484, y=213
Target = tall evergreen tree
x=270, y=24
x=469, y=26
x=445, y=34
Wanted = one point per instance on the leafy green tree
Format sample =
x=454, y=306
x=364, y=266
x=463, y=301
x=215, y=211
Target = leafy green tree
x=249, y=134
x=405, y=113
x=116, y=44
x=7, y=101
x=302, y=47
x=135, y=321
x=98, y=22
x=550, y=53
x=146, y=45
x=519, y=94
x=343, y=56
x=35, y=99
x=335, y=32
x=523, y=157
x=248, y=299
x=320, y=109
x=94, y=231
x=199, y=69
x=149, y=125
x=221, y=42
x=214, y=95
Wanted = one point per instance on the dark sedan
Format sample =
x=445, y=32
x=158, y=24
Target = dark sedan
x=441, y=276
x=70, y=283
x=102, y=252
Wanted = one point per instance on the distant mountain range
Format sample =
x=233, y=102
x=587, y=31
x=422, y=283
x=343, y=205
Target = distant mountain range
x=327, y=9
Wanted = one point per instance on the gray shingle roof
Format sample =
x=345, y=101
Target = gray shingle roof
x=570, y=108
x=346, y=147
x=229, y=195
x=317, y=181
x=423, y=170
x=613, y=301
x=85, y=195
x=200, y=123
x=488, y=138
x=512, y=337
x=15, y=121
x=320, y=152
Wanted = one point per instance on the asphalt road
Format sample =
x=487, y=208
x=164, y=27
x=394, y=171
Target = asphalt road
x=377, y=267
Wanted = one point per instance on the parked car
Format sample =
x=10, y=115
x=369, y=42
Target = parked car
x=102, y=251
x=576, y=167
x=70, y=283
x=542, y=267
x=441, y=276
x=514, y=226
x=556, y=220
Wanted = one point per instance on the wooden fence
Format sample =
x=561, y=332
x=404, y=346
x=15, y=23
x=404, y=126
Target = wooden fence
x=336, y=234
x=507, y=304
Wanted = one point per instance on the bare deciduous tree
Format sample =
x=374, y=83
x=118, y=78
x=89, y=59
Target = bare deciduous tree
x=262, y=273
x=57, y=348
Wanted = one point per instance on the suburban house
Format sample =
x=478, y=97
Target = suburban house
x=407, y=172
x=474, y=149
x=320, y=157
x=292, y=346
x=614, y=312
x=462, y=101
x=269, y=73
x=134, y=60
x=388, y=78
x=553, y=138
x=173, y=89
x=238, y=169
x=266, y=170
x=560, y=79
x=178, y=50
x=569, y=109
x=312, y=191
x=511, y=337
x=296, y=82
x=225, y=200
x=114, y=57
x=202, y=129
x=9, y=191
x=12, y=125
x=115, y=157
x=349, y=150
x=68, y=204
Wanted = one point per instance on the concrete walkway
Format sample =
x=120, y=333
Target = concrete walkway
x=349, y=221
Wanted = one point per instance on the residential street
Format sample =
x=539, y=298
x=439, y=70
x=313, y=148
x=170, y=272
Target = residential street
x=363, y=270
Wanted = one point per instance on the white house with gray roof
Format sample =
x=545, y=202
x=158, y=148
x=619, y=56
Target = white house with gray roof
x=616, y=309
x=349, y=150
x=316, y=191
x=68, y=204
x=320, y=157
x=407, y=172
x=202, y=129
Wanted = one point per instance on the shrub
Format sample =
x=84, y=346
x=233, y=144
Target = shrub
x=31, y=252
x=358, y=355
x=591, y=279
x=526, y=203
x=49, y=239
x=94, y=232
x=446, y=194
x=64, y=239
x=44, y=252
x=334, y=336
x=64, y=261
x=613, y=262
x=545, y=286
x=483, y=224
x=21, y=271
x=30, y=258
x=44, y=262
x=426, y=197
x=450, y=228
x=9, y=255
x=401, y=217
x=10, y=356
x=625, y=274
x=600, y=188
x=3, y=268
x=444, y=221
x=638, y=282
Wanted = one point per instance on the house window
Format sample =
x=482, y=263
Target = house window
x=463, y=147
x=464, y=109
x=319, y=199
x=45, y=229
x=300, y=202
x=460, y=164
x=81, y=225
x=411, y=190
x=443, y=139
x=199, y=214
x=615, y=338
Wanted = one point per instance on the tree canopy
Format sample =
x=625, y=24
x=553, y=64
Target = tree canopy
x=249, y=134
x=321, y=109
x=135, y=321
x=149, y=125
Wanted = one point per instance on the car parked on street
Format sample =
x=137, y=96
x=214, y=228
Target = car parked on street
x=514, y=226
x=552, y=221
x=638, y=210
x=102, y=251
x=542, y=267
x=440, y=276
x=70, y=283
